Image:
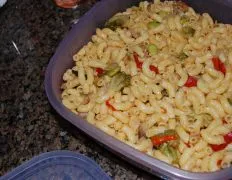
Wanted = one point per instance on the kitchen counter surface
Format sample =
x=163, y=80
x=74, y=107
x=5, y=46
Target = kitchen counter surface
x=30, y=31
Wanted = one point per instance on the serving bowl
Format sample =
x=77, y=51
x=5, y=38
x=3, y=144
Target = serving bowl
x=78, y=36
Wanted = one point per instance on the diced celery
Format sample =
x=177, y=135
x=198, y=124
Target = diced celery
x=152, y=49
x=153, y=24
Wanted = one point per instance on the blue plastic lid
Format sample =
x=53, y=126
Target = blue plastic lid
x=58, y=165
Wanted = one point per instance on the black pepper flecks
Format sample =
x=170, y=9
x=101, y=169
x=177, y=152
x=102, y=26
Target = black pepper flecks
x=28, y=124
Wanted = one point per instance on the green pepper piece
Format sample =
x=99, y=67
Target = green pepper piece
x=153, y=24
x=152, y=49
x=169, y=151
x=188, y=31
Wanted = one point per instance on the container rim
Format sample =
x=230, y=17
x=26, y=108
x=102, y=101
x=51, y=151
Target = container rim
x=37, y=162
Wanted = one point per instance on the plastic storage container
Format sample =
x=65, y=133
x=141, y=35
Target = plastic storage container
x=79, y=36
x=58, y=165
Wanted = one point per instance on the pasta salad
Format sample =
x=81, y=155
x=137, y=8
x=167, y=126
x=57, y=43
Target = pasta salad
x=159, y=78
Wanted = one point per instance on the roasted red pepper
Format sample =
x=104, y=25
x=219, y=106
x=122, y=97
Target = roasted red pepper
x=138, y=63
x=158, y=140
x=99, y=71
x=109, y=105
x=154, y=69
x=228, y=138
x=219, y=65
x=166, y=136
x=191, y=82
x=219, y=147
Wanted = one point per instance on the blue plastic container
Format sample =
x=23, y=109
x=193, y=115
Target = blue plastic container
x=58, y=165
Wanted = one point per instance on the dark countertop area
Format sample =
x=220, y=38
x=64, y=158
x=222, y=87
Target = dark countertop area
x=28, y=124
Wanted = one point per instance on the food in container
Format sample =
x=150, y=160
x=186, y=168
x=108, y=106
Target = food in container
x=139, y=61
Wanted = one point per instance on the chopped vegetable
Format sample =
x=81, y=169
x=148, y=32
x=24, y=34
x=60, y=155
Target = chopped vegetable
x=112, y=70
x=139, y=64
x=152, y=49
x=182, y=56
x=219, y=65
x=99, y=71
x=117, y=21
x=191, y=82
x=119, y=81
x=184, y=20
x=168, y=135
x=153, y=24
x=228, y=138
x=158, y=140
x=188, y=31
x=109, y=105
x=169, y=151
x=154, y=69
x=219, y=147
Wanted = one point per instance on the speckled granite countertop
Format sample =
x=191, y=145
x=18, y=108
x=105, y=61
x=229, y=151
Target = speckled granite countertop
x=28, y=124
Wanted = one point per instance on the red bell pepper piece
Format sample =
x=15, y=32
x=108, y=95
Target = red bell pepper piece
x=158, y=140
x=219, y=65
x=99, y=71
x=218, y=147
x=110, y=105
x=191, y=82
x=138, y=63
x=154, y=69
x=228, y=138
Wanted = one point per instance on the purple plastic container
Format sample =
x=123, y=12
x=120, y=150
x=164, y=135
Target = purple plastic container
x=79, y=35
